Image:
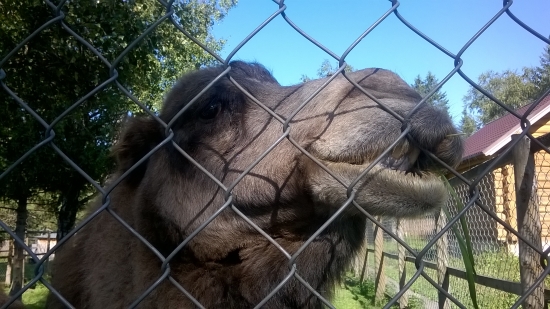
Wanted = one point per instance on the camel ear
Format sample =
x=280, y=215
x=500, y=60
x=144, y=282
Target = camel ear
x=138, y=137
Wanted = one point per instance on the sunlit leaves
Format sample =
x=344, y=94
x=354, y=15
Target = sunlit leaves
x=512, y=88
x=54, y=70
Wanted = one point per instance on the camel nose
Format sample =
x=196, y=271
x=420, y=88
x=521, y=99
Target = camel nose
x=450, y=149
x=433, y=130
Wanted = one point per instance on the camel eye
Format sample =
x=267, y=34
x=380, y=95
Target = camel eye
x=211, y=110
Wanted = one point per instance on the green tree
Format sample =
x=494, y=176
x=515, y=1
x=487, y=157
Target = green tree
x=424, y=86
x=468, y=124
x=325, y=70
x=541, y=74
x=512, y=88
x=54, y=70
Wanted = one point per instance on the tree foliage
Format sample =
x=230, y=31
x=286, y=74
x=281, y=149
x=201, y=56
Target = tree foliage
x=468, y=124
x=514, y=89
x=424, y=86
x=54, y=70
x=326, y=70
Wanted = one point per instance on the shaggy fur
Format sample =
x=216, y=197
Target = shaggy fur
x=229, y=264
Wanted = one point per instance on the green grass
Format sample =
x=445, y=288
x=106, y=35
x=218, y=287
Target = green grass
x=495, y=264
x=345, y=299
x=350, y=295
x=34, y=297
x=353, y=295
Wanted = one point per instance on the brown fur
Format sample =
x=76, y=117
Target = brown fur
x=229, y=264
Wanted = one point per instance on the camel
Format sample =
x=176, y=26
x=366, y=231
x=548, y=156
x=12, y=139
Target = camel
x=243, y=232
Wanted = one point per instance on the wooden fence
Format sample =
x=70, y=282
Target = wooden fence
x=486, y=235
x=39, y=241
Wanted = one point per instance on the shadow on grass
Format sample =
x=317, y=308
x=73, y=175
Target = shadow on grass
x=364, y=294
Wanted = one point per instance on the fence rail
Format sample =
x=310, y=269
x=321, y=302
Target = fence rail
x=488, y=237
x=497, y=284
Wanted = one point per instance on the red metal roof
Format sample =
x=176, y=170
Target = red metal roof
x=496, y=134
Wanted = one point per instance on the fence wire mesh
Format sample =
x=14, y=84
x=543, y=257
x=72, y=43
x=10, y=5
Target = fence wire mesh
x=487, y=199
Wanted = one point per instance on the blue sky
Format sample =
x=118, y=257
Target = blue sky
x=337, y=24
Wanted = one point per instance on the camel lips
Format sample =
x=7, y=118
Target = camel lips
x=402, y=162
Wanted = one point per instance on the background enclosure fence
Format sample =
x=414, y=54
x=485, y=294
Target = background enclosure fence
x=484, y=196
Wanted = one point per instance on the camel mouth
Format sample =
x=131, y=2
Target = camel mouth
x=405, y=164
x=396, y=186
x=404, y=160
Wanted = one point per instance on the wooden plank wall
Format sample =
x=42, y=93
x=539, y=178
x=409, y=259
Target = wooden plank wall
x=542, y=165
x=505, y=202
x=505, y=192
x=542, y=173
x=505, y=198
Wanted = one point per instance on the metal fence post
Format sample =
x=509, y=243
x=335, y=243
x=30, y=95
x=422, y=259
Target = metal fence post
x=529, y=225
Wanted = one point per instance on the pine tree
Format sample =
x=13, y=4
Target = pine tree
x=424, y=86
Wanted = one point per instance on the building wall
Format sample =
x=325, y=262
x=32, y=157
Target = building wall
x=542, y=172
x=505, y=199
x=505, y=202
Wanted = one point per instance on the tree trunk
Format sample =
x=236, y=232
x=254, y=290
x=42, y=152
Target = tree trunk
x=69, y=208
x=19, y=252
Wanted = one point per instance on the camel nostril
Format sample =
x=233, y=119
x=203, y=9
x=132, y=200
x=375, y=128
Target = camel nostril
x=450, y=150
x=402, y=161
x=432, y=130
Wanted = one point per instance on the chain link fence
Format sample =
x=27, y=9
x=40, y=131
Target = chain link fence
x=494, y=244
x=486, y=197
x=39, y=242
